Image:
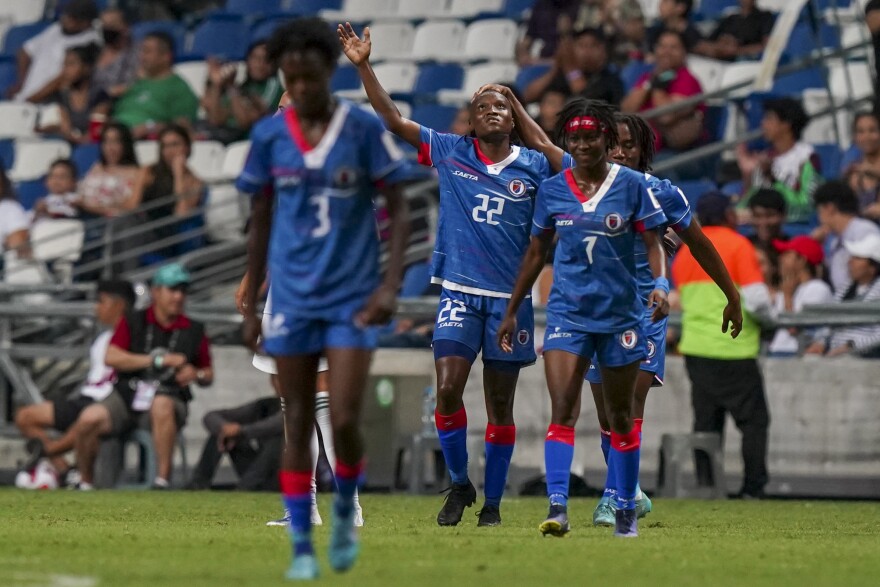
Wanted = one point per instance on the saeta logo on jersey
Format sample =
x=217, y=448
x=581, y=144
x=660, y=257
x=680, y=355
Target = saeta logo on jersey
x=469, y=176
x=629, y=340
x=523, y=337
x=557, y=334
x=517, y=187
x=614, y=222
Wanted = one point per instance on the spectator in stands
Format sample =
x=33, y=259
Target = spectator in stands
x=674, y=15
x=724, y=373
x=158, y=354
x=540, y=42
x=160, y=97
x=863, y=286
x=669, y=82
x=41, y=59
x=548, y=111
x=629, y=42
x=117, y=64
x=838, y=210
x=863, y=174
x=741, y=35
x=767, y=217
x=14, y=223
x=232, y=109
x=768, y=260
x=580, y=69
x=172, y=182
x=114, y=300
x=252, y=435
x=461, y=124
x=78, y=98
x=790, y=166
x=62, y=200
x=872, y=19
x=106, y=190
x=801, y=284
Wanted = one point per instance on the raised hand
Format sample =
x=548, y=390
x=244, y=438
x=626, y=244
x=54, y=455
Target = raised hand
x=357, y=50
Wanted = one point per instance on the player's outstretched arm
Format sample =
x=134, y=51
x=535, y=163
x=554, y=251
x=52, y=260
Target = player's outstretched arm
x=382, y=304
x=258, y=248
x=657, y=261
x=529, y=130
x=532, y=264
x=707, y=256
x=358, y=52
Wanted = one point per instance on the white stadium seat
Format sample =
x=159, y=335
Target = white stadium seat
x=470, y=8
x=206, y=160
x=194, y=73
x=147, y=152
x=391, y=40
x=360, y=10
x=19, y=119
x=709, y=72
x=33, y=157
x=440, y=40
x=855, y=75
x=416, y=9
x=234, y=160
x=402, y=107
x=474, y=78
x=397, y=77
x=22, y=11
x=224, y=213
x=735, y=73
x=491, y=39
x=57, y=238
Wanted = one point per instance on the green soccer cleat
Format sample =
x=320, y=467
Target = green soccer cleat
x=344, y=544
x=603, y=515
x=303, y=568
x=643, y=506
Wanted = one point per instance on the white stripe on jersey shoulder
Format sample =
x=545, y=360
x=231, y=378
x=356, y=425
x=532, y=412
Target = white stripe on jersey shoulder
x=497, y=168
x=590, y=205
x=470, y=290
x=316, y=158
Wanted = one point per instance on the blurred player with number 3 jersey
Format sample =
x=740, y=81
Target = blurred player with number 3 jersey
x=321, y=161
x=598, y=210
x=487, y=192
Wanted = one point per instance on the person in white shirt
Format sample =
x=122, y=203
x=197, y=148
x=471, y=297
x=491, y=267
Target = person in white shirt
x=14, y=223
x=61, y=201
x=41, y=58
x=838, y=208
x=114, y=299
x=800, y=266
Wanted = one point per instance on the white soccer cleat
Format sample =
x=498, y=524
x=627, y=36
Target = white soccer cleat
x=358, y=515
x=316, y=516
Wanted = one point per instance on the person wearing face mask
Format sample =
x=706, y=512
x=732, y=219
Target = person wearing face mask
x=78, y=99
x=117, y=64
x=41, y=59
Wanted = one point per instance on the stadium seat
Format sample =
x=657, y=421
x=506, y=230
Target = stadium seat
x=857, y=73
x=403, y=107
x=391, y=40
x=225, y=38
x=437, y=76
x=434, y=116
x=856, y=33
x=397, y=77
x=18, y=35
x=794, y=83
x=359, y=10
x=33, y=157
x=57, y=239
x=472, y=8
x=518, y=10
x=694, y=189
x=707, y=71
x=7, y=153
x=420, y=9
x=250, y=8
x=173, y=28
x=307, y=7
x=8, y=75
x=195, y=74
x=439, y=41
x=262, y=30
x=715, y=9
x=528, y=74
x=84, y=156
x=147, y=152
x=345, y=78
x=19, y=119
x=491, y=39
x=206, y=160
x=30, y=191
x=234, y=159
x=475, y=77
x=22, y=11
x=224, y=215
x=737, y=73
x=829, y=159
x=803, y=40
x=715, y=122
x=633, y=70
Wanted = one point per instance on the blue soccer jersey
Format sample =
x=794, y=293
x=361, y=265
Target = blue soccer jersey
x=594, y=271
x=677, y=210
x=324, y=247
x=485, y=212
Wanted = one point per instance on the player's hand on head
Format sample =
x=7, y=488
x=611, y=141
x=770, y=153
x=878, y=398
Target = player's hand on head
x=732, y=318
x=505, y=333
x=250, y=331
x=357, y=50
x=503, y=90
x=379, y=308
x=659, y=300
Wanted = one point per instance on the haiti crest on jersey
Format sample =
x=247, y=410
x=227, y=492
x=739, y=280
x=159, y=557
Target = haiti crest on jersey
x=522, y=337
x=629, y=339
x=516, y=187
x=613, y=222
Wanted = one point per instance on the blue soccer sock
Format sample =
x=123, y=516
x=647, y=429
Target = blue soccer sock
x=558, y=454
x=625, y=455
x=637, y=425
x=499, y=450
x=606, y=443
x=296, y=490
x=452, y=431
x=348, y=477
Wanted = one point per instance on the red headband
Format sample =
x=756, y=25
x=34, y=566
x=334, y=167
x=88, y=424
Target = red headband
x=583, y=122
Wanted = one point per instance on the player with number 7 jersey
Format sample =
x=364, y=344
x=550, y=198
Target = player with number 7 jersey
x=487, y=195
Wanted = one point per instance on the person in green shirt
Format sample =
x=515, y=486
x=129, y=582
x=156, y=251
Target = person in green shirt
x=232, y=109
x=160, y=96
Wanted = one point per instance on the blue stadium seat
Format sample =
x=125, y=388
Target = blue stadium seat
x=8, y=74
x=849, y=157
x=714, y=9
x=732, y=188
x=529, y=74
x=262, y=30
x=803, y=40
x=7, y=153
x=517, y=9
x=829, y=159
x=308, y=7
x=438, y=76
x=173, y=28
x=694, y=189
x=434, y=116
x=345, y=78
x=630, y=74
x=84, y=156
x=18, y=35
x=30, y=191
x=416, y=280
x=715, y=122
x=794, y=83
x=252, y=9
x=223, y=37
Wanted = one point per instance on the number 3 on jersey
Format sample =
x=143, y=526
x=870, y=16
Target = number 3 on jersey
x=482, y=213
x=323, y=215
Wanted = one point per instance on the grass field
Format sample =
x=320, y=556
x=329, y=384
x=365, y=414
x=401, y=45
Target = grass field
x=67, y=539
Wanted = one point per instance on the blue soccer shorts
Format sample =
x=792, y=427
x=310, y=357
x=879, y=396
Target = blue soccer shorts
x=610, y=349
x=285, y=335
x=473, y=321
x=655, y=335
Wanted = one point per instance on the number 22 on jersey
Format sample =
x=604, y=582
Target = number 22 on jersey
x=483, y=213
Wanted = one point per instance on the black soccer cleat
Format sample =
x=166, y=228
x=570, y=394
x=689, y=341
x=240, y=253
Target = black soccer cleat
x=459, y=497
x=490, y=515
x=556, y=523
